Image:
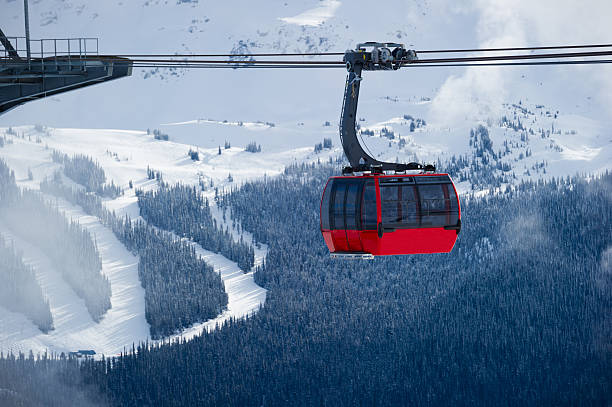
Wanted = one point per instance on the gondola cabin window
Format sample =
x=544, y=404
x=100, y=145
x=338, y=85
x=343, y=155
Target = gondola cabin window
x=325, y=203
x=433, y=206
x=353, y=221
x=339, y=191
x=368, y=206
x=399, y=205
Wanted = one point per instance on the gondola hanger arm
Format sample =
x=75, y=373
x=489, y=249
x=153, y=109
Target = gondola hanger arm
x=369, y=56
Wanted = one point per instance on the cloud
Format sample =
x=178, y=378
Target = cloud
x=478, y=92
x=315, y=16
x=524, y=233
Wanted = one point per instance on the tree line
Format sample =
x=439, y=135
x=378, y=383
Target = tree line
x=180, y=288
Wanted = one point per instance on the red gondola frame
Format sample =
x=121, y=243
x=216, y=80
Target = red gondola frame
x=381, y=240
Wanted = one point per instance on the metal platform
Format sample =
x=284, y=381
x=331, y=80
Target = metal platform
x=52, y=66
x=352, y=255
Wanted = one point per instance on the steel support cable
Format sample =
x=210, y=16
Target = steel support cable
x=528, y=63
x=468, y=61
x=589, y=62
x=41, y=75
x=229, y=55
x=417, y=61
x=9, y=63
x=309, y=62
x=440, y=51
x=582, y=46
x=227, y=66
x=364, y=144
x=525, y=63
x=228, y=62
x=511, y=57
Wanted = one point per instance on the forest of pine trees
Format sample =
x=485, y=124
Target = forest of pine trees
x=19, y=289
x=182, y=210
x=180, y=288
x=83, y=170
x=70, y=248
x=518, y=314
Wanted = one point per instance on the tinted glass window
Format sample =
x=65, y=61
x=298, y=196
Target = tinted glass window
x=409, y=205
x=453, y=205
x=368, y=206
x=399, y=205
x=432, y=198
x=433, y=206
x=338, y=205
x=325, y=209
x=352, y=203
x=389, y=204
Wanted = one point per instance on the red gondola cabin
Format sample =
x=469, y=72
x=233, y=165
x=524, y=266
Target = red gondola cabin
x=377, y=215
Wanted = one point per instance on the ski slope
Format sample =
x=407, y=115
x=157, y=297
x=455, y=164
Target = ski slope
x=74, y=329
x=124, y=324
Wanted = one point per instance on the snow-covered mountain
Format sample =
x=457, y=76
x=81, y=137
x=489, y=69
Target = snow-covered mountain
x=490, y=126
x=151, y=98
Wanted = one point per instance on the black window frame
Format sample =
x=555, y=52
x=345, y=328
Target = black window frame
x=325, y=205
x=400, y=184
x=339, y=183
x=346, y=184
x=426, y=218
x=433, y=218
x=366, y=223
x=354, y=190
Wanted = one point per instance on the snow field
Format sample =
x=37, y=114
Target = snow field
x=124, y=324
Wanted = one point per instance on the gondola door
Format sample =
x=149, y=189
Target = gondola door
x=338, y=224
x=345, y=214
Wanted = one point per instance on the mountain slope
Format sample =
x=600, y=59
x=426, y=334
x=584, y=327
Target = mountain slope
x=151, y=98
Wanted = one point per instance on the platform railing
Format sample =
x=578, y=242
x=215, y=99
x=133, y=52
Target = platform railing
x=59, y=50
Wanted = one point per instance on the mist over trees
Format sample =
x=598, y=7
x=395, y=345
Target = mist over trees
x=180, y=288
x=70, y=248
x=183, y=210
x=45, y=380
x=19, y=289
